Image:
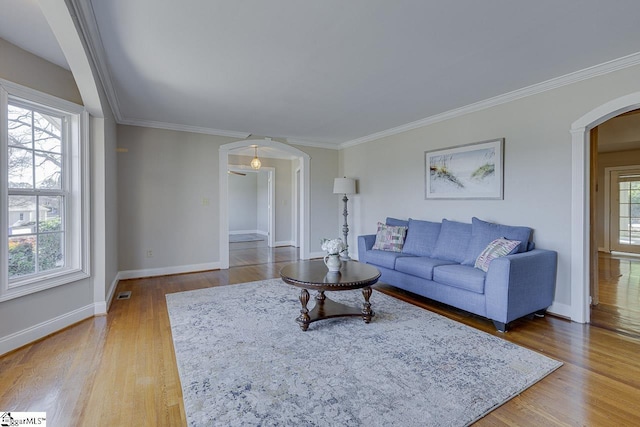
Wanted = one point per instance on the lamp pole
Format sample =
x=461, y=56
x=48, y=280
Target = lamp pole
x=345, y=186
x=344, y=256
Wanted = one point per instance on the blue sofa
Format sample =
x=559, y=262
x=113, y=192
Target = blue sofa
x=437, y=261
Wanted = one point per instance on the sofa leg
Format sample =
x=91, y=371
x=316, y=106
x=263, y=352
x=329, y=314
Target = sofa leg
x=501, y=327
x=540, y=313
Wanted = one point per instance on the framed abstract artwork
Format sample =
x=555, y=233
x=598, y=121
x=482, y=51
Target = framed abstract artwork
x=472, y=171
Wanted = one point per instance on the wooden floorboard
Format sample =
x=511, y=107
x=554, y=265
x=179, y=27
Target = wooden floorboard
x=120, y=369
x=619, y=294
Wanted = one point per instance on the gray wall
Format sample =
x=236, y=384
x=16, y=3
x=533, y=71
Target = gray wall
x=537, y=166
x=168, y=192
x=324, y=167
x=26, y=69
x=243, y=202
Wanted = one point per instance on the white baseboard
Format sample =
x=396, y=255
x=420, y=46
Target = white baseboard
x=100, y=308
x=164, y=271
x=263, y=233
x=559, y=309
x=41, y=330
x=284, y=243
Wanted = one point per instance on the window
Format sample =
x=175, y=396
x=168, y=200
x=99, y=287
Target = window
x=44, y=193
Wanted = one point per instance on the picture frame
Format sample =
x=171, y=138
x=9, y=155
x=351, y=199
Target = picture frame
x=471, y=171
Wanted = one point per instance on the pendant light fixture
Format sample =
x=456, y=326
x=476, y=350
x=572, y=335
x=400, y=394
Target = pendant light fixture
x=256, y=163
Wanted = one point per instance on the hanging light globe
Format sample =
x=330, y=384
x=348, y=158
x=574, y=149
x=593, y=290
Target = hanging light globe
x=256, y=163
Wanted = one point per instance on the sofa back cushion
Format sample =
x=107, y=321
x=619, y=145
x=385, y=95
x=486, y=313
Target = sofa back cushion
x=421, y=237
x=395, y=222
x=483, y=233
x=453, y=241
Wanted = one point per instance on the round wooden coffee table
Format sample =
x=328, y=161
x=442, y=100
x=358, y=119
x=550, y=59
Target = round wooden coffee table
x=313, y=275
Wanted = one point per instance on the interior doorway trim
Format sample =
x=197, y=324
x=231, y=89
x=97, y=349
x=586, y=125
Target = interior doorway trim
x=296, y=203
x=580, y=198
x=223, y=180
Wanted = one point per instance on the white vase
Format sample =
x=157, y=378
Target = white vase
x=333, y=262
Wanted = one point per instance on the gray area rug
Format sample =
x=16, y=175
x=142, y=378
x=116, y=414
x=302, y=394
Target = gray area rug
x=243, y=360
x=249, y=237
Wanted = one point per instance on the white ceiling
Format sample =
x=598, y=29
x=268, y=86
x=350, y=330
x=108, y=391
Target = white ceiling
x=332, y=72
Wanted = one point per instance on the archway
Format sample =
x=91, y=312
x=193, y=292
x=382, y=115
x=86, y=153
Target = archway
x=224, y=193
x=580, y=149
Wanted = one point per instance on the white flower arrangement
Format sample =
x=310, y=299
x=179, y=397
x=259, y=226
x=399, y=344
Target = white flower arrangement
x=333, y=246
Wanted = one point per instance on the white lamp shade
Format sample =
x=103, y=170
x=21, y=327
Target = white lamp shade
x=344, y=186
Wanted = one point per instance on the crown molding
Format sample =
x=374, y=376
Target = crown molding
x=557, y=82
x=185, y=128
x=306, y=143
x=83, y=14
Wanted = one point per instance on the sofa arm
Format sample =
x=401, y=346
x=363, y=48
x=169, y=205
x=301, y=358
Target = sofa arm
x=365, y=243
x=520, y=284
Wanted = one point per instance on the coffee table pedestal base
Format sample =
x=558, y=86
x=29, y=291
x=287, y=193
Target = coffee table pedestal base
x=326, y=308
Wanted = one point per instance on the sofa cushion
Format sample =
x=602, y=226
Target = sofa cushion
x=460, y=276
x=419, y=266
x=453, y=241
x=384, y=259
x=421, y=237
x=390, y=238
x=483, y=233
x=397, y=222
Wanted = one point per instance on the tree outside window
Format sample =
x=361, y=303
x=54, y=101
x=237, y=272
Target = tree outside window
x=36, y=193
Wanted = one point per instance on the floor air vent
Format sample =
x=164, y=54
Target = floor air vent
x=124, y=295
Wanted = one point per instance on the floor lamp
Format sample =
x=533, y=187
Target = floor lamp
x=344, y=186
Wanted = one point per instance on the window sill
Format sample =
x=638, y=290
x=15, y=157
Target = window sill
x=41, y=283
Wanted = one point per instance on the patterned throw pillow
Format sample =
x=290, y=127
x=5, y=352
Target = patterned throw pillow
x=390, y=238
x=495, y=249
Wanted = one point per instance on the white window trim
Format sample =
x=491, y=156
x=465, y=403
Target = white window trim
x=79, y=231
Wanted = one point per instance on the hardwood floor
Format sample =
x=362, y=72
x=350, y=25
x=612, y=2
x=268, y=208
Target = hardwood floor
x=120, y=369
x=619, y=294
x=253, y=253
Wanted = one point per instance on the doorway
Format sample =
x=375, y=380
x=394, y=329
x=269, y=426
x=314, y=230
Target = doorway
x=251, y=204
x=579, y=309
x=615, y=270
x=303, y=160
